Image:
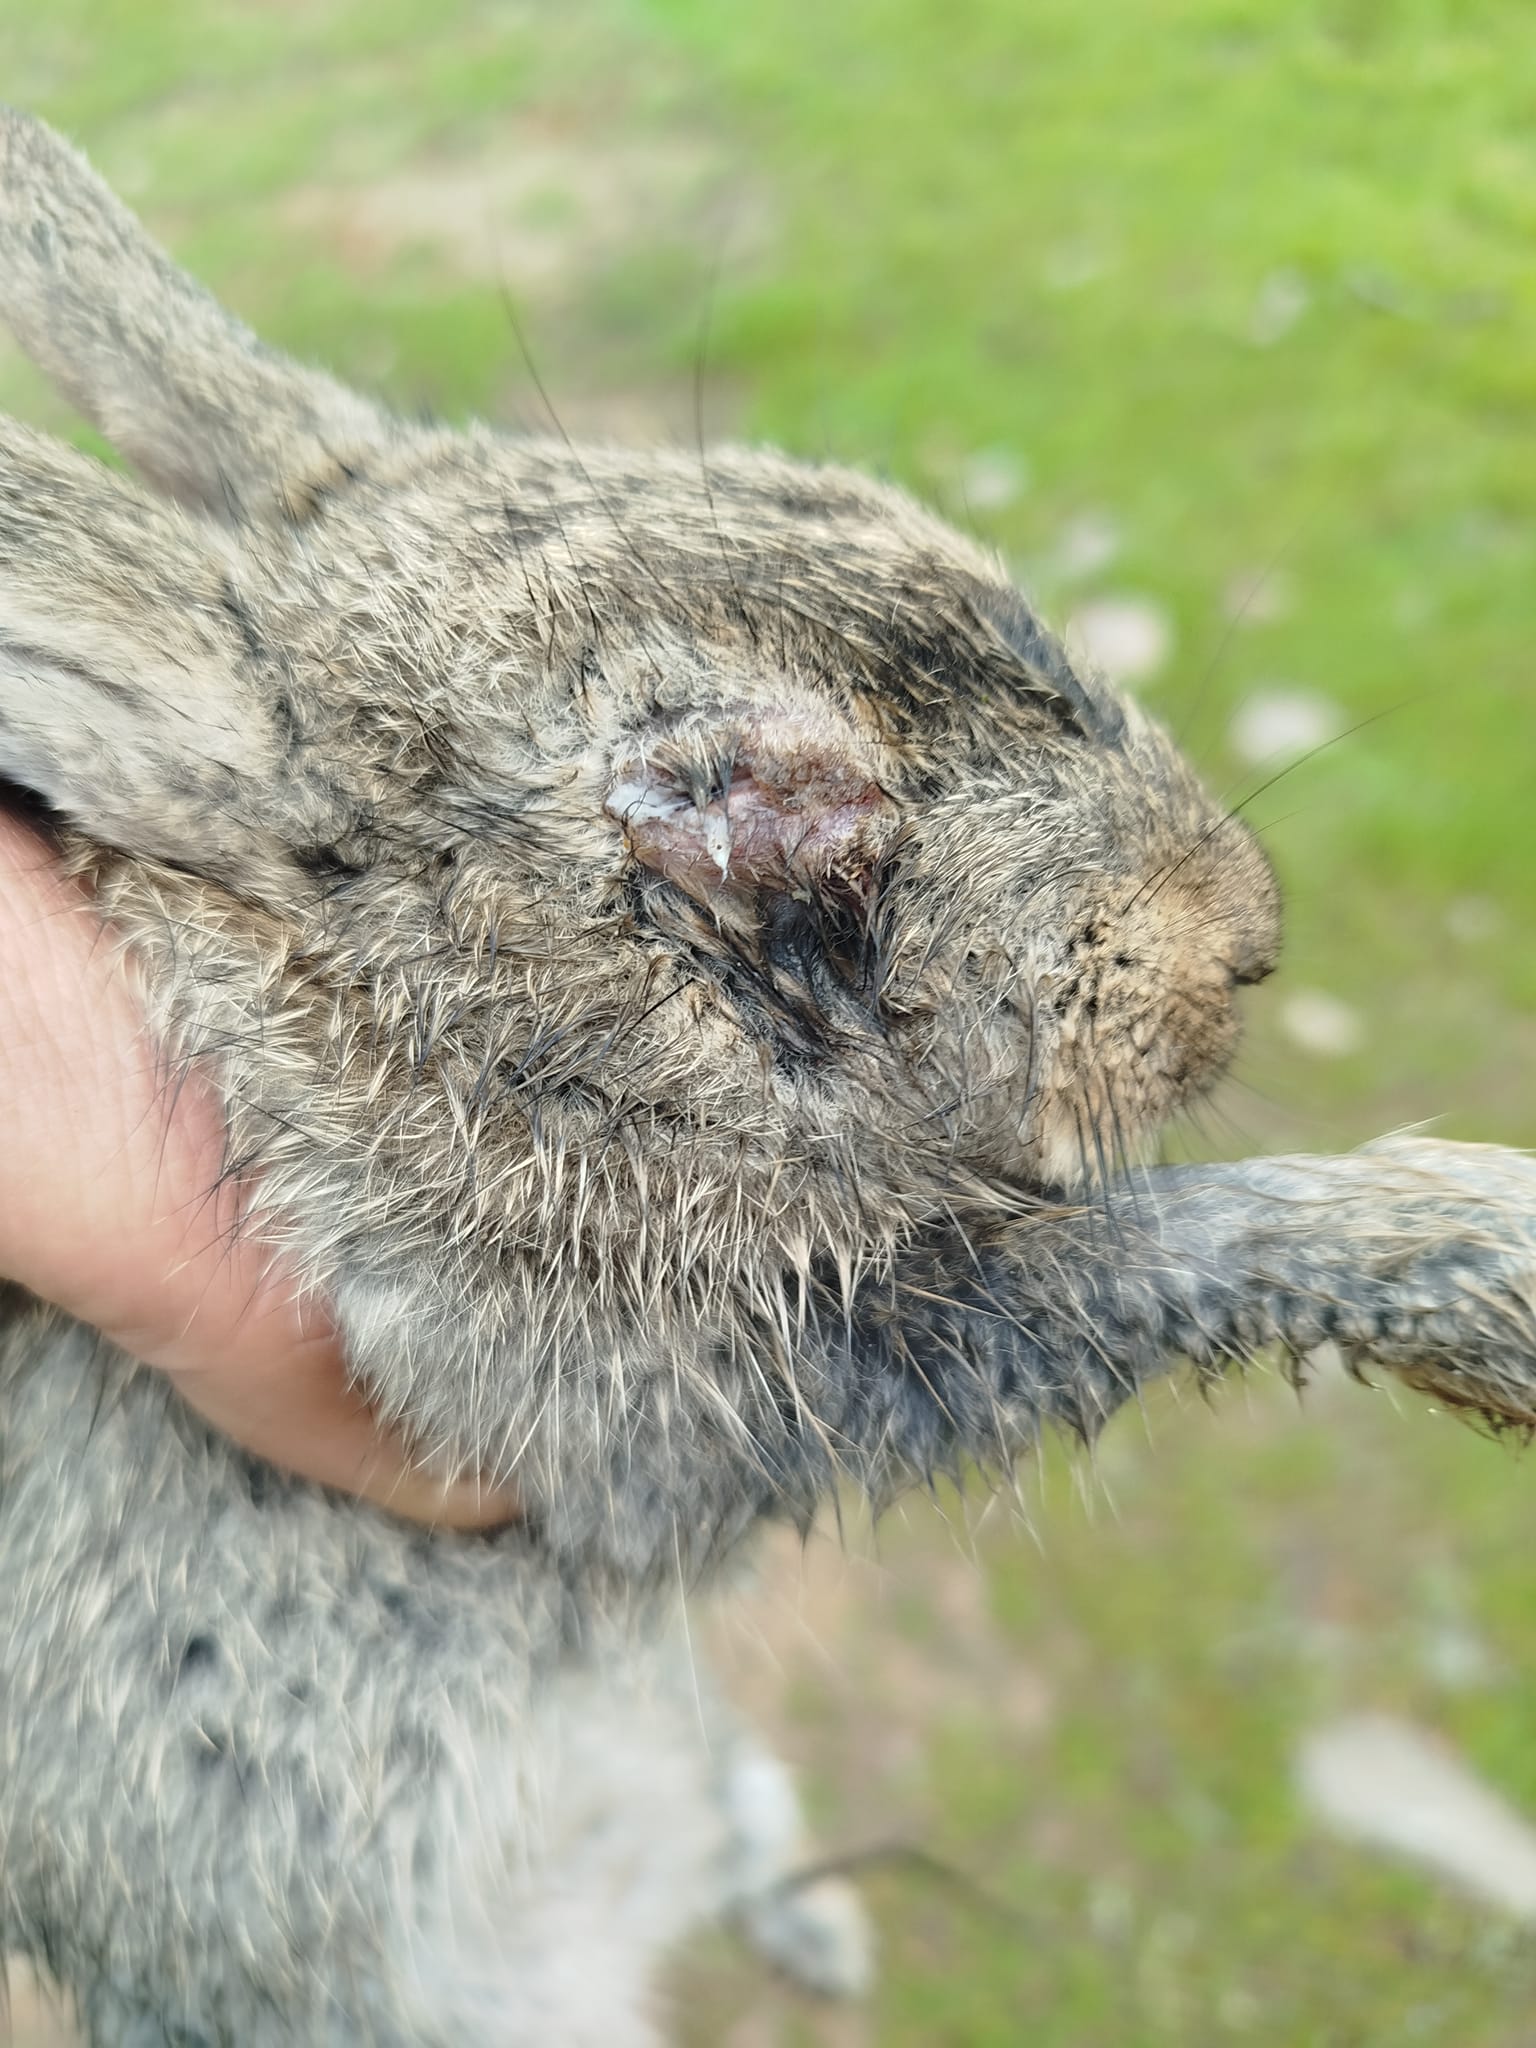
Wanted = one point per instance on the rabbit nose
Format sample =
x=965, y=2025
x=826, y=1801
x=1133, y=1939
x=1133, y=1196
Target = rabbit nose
x=1253, y=925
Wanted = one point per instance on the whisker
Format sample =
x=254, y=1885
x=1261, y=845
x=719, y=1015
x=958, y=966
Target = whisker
x=1251, y=595
x=1301, y=760
x=1159, y=880
x=646, y=568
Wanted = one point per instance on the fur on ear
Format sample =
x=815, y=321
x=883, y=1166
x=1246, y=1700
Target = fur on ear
x=191, y=397
x=127, y=697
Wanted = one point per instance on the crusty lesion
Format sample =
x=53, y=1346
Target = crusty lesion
x=745, y=802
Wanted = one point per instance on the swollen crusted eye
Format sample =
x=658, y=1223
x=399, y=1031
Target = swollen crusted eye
x=765, y=804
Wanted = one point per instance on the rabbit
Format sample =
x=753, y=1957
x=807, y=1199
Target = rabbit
x=692, y=971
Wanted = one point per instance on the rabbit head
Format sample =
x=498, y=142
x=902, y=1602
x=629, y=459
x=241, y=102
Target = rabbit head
x=611, y=893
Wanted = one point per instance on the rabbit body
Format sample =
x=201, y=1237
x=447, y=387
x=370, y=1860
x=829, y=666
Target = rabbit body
x=688, y=965
x=281, y=1769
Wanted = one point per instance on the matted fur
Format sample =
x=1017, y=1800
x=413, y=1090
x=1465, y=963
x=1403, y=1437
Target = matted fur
x=689, y=966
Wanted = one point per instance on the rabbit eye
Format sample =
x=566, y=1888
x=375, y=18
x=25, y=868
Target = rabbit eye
x=766, y=806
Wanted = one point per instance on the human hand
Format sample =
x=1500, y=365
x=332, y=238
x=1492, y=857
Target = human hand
x=105, y=1211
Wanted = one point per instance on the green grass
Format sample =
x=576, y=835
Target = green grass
x=905, y=233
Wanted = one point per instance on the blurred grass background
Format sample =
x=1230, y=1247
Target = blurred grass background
x=1219, y=318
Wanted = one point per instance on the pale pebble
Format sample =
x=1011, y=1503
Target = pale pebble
x=1281, y=300
x=1455, y=1657
x=1390, y=1785
x=1473, y=919
x=1279, y=724
x=992, y=478
x=1321, y=1024
x=1258, y=597
x=1085, y=546
x=1130, y=638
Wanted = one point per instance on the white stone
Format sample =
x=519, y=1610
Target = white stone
x=1279, y=303
x=1259, y=597
x=1130, y=638
x=1085, y=546
x=992, y=478
x=1321, y=1024
x=1276, y=725
x=1473, y=919
x=1385, y=1783
x=1455, y=1657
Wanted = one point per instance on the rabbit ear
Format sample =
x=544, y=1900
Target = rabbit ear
x=129, y=697
x=190, y=396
